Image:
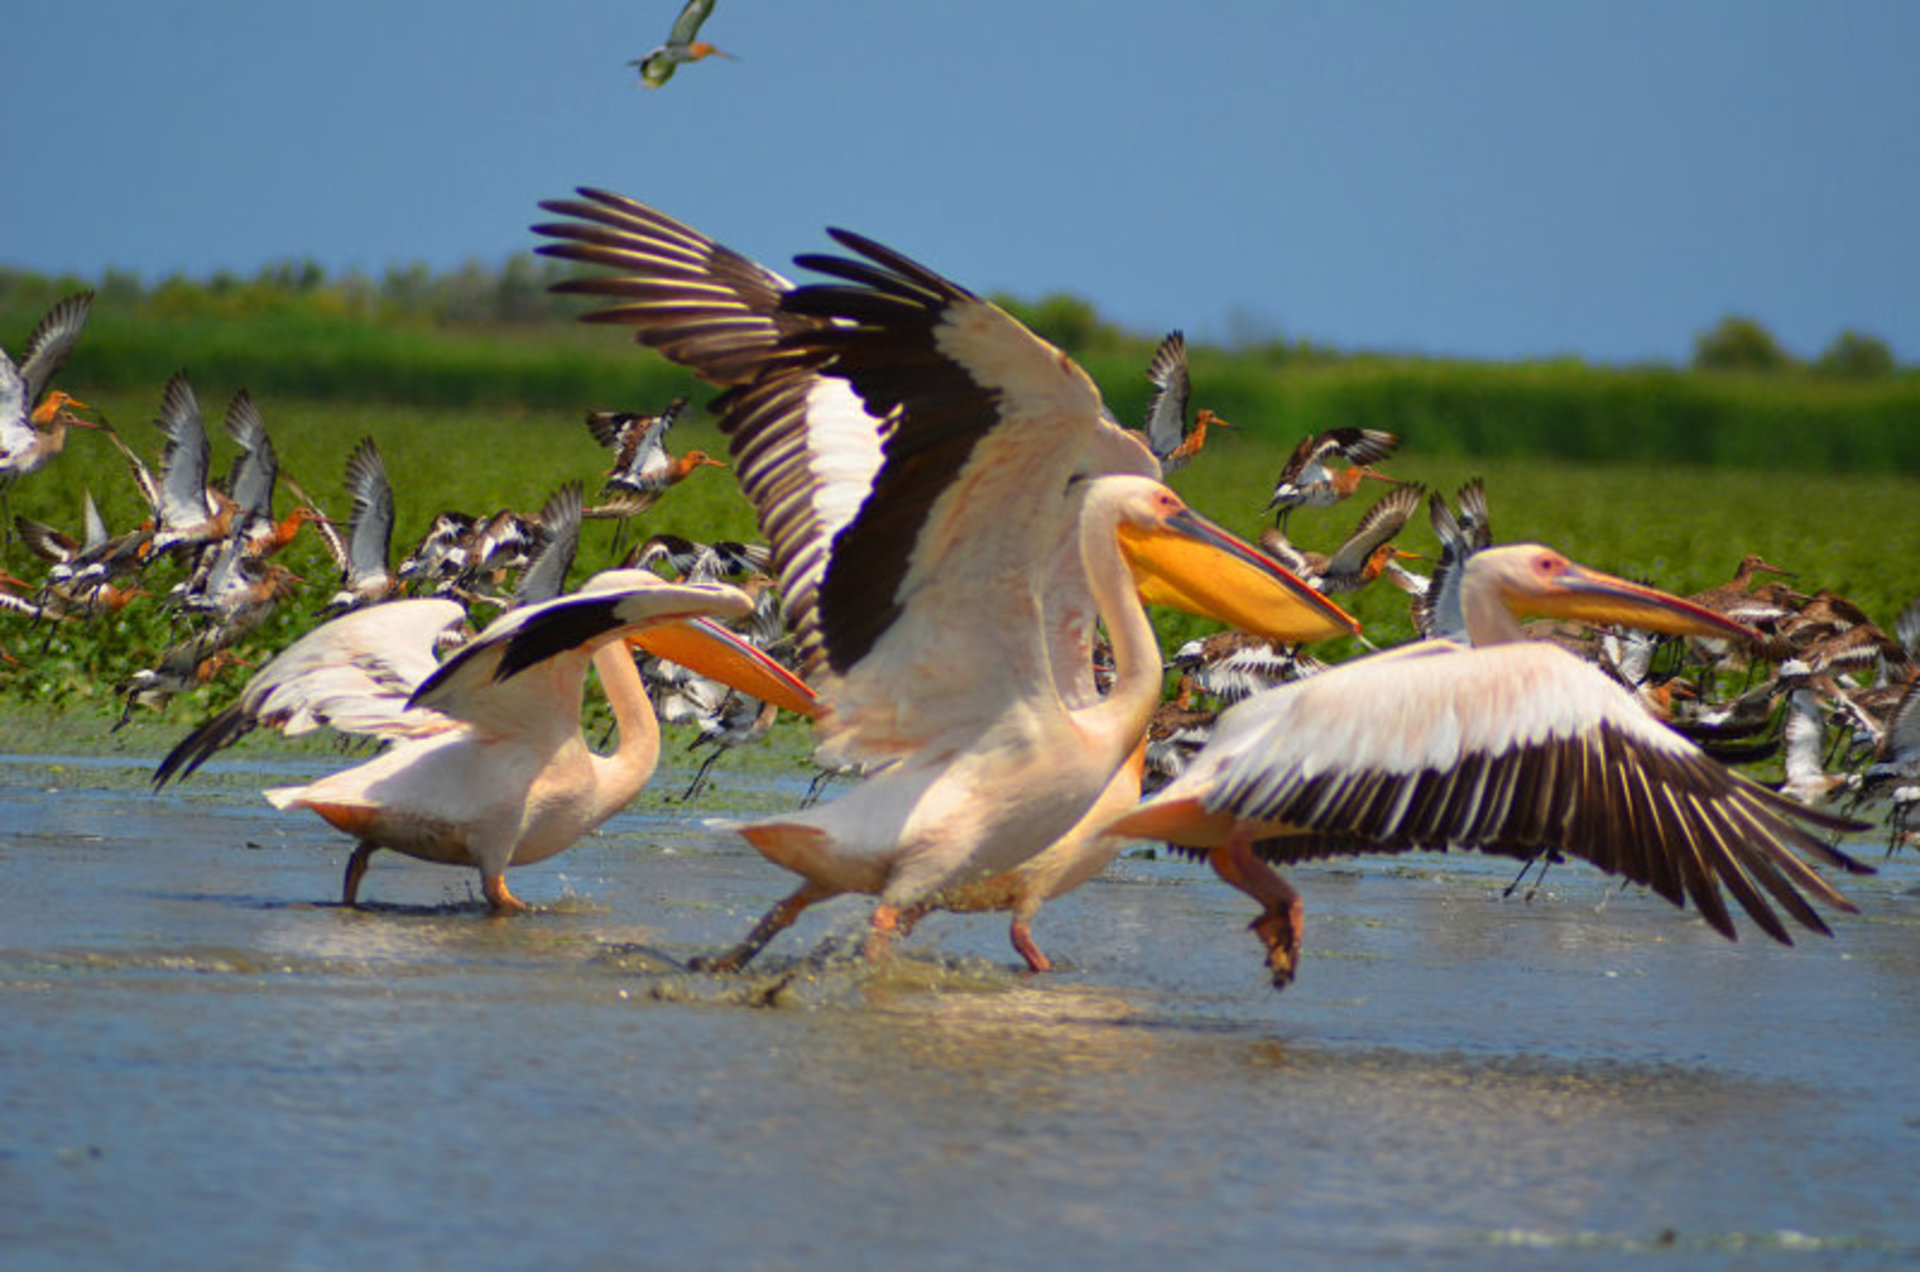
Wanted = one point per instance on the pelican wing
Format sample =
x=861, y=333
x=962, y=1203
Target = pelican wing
x=1166, y=424
x=702, y=305
x=1514, y=749
x=509, y=679
x=354, y=674
x=942, y=567
x=52, y=341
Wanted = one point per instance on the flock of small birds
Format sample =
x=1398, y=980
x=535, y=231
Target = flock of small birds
x=1831, y=694
x=205, y=552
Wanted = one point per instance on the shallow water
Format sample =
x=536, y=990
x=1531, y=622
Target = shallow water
x=204, y=1064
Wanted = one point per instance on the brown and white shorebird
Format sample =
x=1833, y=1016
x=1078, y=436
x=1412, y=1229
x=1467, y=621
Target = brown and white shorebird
x=1311, y=479
x=682, y=45
x=1172, y=440
x=33, y=421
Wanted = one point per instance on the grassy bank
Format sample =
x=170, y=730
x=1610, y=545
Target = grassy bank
x=321, y=347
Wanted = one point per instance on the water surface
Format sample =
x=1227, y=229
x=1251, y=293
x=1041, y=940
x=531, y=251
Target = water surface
x=206, y=1064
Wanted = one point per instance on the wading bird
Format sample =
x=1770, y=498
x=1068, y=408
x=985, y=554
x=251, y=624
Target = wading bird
x=33, y=428
x=1309, y=478
x=1361, y=556
x=657, y=67
x=1169, y=437
x=950, y=510
x=1506, y=746
x=486, y=766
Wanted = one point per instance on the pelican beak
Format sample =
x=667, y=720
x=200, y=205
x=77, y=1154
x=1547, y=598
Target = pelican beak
x=1589, y=596
x=1192, y=564
x=713, y=651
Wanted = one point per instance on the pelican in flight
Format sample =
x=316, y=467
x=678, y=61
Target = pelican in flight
x=486, y=766
x=657, y=67
x=950, y=510
x=1173, y=443
x=1503, y=745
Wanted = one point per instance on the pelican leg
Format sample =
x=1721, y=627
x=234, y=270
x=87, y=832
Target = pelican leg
x=356, y=871
x=502, y=901
x=771, y=924
x=1023, y=944
x=1278, y=927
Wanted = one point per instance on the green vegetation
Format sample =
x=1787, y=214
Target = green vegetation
x=474, y=385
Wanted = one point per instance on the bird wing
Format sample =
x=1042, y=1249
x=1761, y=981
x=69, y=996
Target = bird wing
x=687, y=25
x=183, y=466
x=1166, y=424
x=355, y=674
x=545, y=575
x=510, y=678
x=937, y=581
x=17, y=436
x=1379, y=524
x=258, y=467
x=52, y=340
x=1519, y=749
x=1358, y=445
x=370, y=526
x=700, y=304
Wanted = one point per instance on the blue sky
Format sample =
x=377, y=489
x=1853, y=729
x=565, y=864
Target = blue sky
x=1483, y=179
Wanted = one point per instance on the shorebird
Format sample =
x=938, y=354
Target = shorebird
x=657, y=67
x=1173, y=442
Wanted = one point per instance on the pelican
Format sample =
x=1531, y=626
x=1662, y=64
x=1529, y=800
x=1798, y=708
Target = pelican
x=657, y=67
x=1506, y=746
x=1308, y=478
x=487, y=765
x=950, y=509
x=1173, y=443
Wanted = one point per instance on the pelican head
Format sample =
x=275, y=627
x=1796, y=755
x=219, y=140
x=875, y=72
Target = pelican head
x=1180, y=558
x=1502, y=585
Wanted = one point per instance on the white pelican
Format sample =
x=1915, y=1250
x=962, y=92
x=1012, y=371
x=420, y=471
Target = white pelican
x=1308, y=478
x=948, y=505
x=1509, y=746
x=487, y=766
x=657, y=67
x=1169, y=437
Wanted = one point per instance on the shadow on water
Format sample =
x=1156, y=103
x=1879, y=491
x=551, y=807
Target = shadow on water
x=1583, y=1079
